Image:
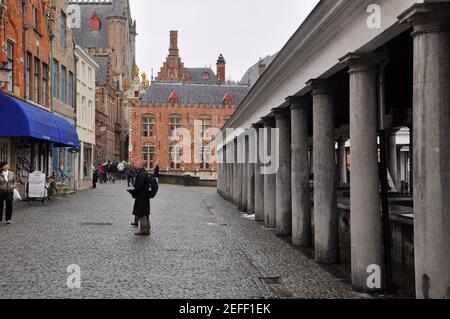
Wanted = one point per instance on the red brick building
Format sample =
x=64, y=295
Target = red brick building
x=25, y=70
x=174, y=123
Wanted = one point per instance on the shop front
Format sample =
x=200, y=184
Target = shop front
x=28, y=137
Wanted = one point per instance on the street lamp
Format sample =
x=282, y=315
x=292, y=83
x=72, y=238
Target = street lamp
x=102, y=128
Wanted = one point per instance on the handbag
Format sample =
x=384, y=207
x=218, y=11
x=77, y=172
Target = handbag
x=17, y=196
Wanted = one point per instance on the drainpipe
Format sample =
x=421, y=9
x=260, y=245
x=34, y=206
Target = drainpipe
x=384, y=171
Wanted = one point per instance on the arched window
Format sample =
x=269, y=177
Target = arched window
x=148, y=153
x=175, y=156
x=148, y=126
x=95, y=22
x=174, y=126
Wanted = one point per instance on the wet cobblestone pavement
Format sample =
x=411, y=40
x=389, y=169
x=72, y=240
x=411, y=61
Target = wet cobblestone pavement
x=200, y=247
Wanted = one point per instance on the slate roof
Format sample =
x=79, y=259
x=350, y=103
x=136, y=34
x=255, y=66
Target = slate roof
x=252, y=74
x=101, y=74
x=196, y=75
x=194, y=93
x=87, y=38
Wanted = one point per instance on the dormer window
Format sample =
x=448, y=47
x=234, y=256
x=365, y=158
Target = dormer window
x=206, y=75
x=95, y=22
x=227, y=99
x=173, y=98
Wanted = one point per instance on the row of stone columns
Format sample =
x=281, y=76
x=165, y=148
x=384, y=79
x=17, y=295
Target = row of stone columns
x=283, y=200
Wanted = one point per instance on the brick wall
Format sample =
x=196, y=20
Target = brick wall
x=161, y=140
x=35, y=41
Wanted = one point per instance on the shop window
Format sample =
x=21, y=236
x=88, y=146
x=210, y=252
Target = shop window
x=4, y=150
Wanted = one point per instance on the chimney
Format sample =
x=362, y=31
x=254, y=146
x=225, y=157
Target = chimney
x=221, y=69
x=173, y=49
x=261, y=67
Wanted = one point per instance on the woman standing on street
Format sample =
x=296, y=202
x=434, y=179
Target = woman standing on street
x=7, y=186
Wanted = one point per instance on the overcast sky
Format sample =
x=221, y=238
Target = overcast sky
x=243, y=30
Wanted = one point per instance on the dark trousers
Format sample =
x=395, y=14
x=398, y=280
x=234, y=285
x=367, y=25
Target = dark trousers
x=9, y=199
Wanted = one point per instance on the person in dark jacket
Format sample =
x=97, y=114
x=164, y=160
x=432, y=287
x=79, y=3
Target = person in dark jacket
x=141, y=207
x=94, y=177
x=7, y=186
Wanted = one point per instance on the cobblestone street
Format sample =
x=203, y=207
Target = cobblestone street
x=200, y=247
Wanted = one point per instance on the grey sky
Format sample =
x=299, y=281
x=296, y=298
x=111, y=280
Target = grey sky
x=243, y=30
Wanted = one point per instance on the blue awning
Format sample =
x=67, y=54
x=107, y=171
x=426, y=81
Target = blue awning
x=67, y=132
x=19, y=118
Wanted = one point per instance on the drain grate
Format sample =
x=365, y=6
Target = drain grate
x=96, y=224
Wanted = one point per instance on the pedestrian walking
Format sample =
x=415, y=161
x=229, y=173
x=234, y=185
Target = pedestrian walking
x=141, y=209
x=121, y=167
x=7, y=186
x=102, y=173
x=131, y=175
x=94, y=177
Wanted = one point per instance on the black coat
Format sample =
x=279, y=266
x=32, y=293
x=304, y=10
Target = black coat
x=140, y=193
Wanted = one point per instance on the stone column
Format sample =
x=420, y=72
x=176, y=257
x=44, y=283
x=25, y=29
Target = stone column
x=270, y=180
x=222, y=182
x=392, y=157
x=219, y=171
x=283, y=184
x=229, y=168
x=365, y=216
x=342, y=161
x=251, y=160
x=431, y=151
x=244, y=178
x=259, y=177
x=325, y=203
x=300, y=172
x=236, y=176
